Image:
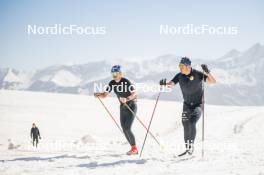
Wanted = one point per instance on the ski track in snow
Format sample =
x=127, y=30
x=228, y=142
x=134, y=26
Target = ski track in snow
x=79, y=138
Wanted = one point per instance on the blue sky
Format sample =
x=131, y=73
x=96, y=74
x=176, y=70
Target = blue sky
x=132, y=30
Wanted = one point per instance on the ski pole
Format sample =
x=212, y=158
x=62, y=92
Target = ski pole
x=150, y=123
x=203, y=118
x=142, y=123
x=110, y=114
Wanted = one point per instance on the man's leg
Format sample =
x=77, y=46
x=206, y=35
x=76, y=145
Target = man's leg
x=123, y=121
x=36, y=141
x=194, y=117
x=127, y=123
x=186, y=128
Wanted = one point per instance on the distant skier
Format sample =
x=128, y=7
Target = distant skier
x=126, y=93
x=35, y=134
x=190, y=81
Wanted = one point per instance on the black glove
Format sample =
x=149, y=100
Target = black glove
x=163, y=82
x=205, y=68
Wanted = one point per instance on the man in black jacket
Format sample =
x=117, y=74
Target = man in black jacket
x=191, y=84
x=35, y=134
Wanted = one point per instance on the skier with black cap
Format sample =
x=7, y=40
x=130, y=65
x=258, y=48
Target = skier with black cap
x=126, y=94
x=191, y=84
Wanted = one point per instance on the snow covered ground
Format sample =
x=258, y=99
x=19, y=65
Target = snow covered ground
x=78, y=137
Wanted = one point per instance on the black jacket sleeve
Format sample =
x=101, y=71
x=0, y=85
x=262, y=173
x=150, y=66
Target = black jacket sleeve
x=38, y=132
x=175, y=79
x=31, y=132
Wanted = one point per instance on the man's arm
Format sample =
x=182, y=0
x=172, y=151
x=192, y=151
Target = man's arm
x=133, y=96
x=38, y=133
x=210, y=78
x=171, y=83
x=106, y=93
x=101, y=94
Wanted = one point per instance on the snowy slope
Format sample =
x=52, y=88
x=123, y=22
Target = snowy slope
x=78, y=137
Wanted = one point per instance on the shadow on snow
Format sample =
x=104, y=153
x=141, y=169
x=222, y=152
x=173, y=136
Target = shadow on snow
x=120, y=162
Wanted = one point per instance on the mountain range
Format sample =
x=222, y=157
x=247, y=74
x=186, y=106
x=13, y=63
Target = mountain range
x=239, y=77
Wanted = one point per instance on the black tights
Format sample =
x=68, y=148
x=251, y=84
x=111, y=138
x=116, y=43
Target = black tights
x=35, y=139
x=190, y=116
x=126, y=120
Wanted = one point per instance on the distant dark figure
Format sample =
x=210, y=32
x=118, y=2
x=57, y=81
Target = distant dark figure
x=35, y=134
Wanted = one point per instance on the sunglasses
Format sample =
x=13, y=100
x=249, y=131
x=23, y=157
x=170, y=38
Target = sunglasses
x=181, y=65
x=115, y=74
